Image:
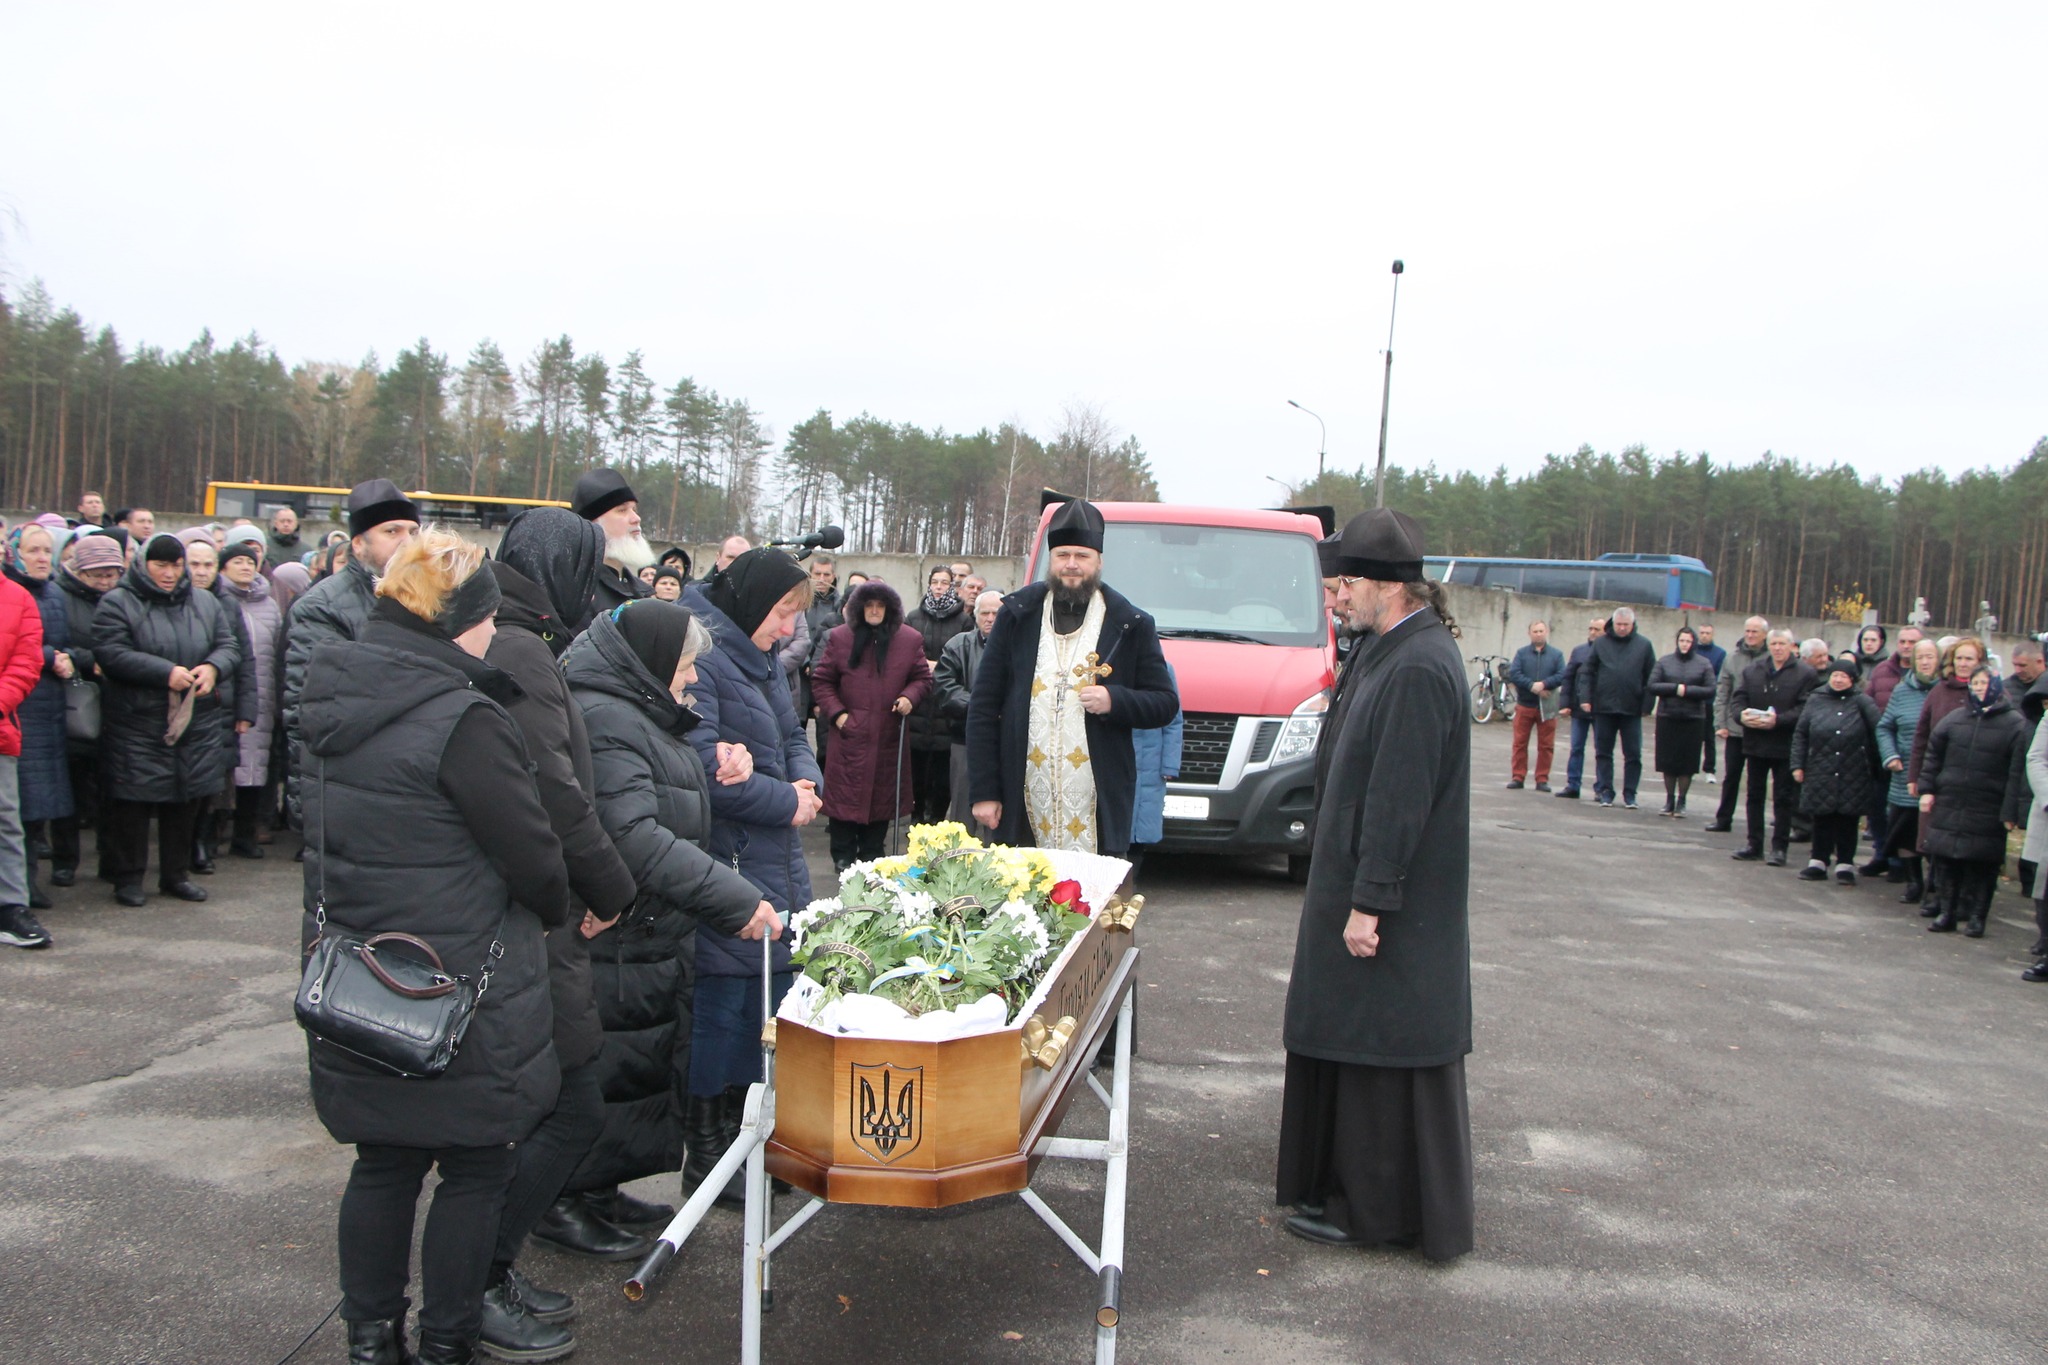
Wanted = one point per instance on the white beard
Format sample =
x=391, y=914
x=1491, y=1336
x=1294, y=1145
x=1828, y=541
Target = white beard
x=631, y=553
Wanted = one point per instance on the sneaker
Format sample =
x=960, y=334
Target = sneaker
x=19, y=928
x=1627, y=802
x=1713, y=779
x=1845, y=875
x=1606, y=803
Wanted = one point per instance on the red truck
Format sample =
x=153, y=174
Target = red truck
x=1238, y=598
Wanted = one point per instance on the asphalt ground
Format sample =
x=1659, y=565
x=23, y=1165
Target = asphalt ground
x=1719, y=1114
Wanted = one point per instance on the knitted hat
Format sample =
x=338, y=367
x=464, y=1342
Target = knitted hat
x=97, y=552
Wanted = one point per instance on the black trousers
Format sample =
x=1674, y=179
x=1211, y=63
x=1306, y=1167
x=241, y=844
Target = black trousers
x=375, y=1231
x=248, y=813
x=1731, y=780
x=1778, y=773
x=853, y=842
x=1834, y=837
x=931, y=783
x=549, y=1157
x=125, y=837
x=1630, y=731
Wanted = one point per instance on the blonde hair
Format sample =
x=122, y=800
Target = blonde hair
x=427, y=568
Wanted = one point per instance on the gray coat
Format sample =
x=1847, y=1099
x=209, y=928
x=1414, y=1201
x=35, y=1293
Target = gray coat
x=1393, y=839
x=1727, y=715
x=262, y=671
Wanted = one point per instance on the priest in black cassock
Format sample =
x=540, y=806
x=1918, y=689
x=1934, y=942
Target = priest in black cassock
x=1069, y=670
x=1375, y=1136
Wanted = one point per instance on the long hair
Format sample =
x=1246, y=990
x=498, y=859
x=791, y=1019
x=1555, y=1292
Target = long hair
x=426, y=569
x=1430, y=593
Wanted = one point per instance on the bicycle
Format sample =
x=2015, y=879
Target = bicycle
x=1492, y=694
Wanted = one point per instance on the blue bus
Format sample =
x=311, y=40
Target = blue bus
x=1650, y=580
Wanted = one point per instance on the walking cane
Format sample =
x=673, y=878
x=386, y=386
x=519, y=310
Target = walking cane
x=896, y=792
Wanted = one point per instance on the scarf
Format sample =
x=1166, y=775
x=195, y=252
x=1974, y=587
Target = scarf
x=747, y=589
x=941, y=606
x=1994, y=695
x=655, y=631
x=560, y=553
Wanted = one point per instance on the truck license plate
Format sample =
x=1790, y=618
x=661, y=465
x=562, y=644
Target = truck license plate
x=1187, y=808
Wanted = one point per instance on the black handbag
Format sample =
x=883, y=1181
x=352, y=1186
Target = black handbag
x=81, y=708
x=402, y=1014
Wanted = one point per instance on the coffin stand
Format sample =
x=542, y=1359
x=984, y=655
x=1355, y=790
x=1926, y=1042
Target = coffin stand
x=933, y=1124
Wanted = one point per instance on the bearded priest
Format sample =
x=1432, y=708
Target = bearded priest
x=1375, y=1135
x=1069, y=670
x=603, y=496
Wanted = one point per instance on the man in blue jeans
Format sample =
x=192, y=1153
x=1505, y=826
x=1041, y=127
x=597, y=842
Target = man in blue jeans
x=1614, y=691
x=1582, y=724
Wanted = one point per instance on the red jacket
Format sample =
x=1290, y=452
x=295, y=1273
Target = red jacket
x=21, y=659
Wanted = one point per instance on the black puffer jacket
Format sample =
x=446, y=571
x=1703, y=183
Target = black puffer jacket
x=140, y=633
x=652, y=796
x=1835, y=745
x=1968, y=770
x=421, y=818
x=929, y=728
x=1695, y=674
x=335, y=608
x=552, y=725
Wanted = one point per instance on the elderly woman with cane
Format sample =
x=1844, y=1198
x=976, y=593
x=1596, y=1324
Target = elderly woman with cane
x=871, y=676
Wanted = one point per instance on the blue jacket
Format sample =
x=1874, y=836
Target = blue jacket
x=742, y=695
x=1531, y=667
x=1158, y=755
x=1713, y=654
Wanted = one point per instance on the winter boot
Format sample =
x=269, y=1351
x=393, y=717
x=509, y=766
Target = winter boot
x=512, y=1332
x=1978, y=908
x=378, y=1343
x=704, y=1132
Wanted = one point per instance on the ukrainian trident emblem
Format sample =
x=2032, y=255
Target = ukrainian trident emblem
x=886, y=1120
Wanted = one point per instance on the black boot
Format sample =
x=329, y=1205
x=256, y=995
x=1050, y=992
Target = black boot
x=1978, y=908
x=378, y=1343
x=440, y=1348
x=628, y=1212
x=36, y=899
x=202, y=855
x=704, y=1131
x=512, y=1332
x=572, y=1224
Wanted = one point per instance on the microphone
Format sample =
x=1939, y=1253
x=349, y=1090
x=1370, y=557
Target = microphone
x=824, y=538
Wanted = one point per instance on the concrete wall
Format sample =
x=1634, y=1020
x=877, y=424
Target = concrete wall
x=1496, y=621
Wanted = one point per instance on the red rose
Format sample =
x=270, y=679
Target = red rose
x=1068, y=895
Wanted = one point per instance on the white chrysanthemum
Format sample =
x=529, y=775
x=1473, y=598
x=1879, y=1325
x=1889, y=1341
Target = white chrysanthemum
x=915, y=906
x=801, y=922
x=1025, y=923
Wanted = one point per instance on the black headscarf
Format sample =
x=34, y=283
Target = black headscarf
x=748, y=588
x=655, y=631
x=561, y=553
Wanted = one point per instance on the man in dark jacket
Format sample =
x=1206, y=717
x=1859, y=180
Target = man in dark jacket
x=603, y=496
x=1537, y=672
x=1049, y=755
x=1614, y=689
x=547, y=577
x=937, y=618
x=824, y=613
x=380, y=521
x=953, y=680
x=1582, y=724
x=282, y=545
x=1768, y=700
x=1727, y=725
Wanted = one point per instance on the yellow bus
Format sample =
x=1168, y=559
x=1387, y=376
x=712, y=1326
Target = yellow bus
x=227, y=499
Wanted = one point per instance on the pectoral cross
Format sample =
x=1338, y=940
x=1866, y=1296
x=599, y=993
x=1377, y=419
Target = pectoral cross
x=1092, y=671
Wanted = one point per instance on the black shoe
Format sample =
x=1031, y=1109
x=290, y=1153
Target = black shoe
x=704, y=1135
x=2037, y=973
x=545, y=1304
x=511, y=1332
x=1543, y=786
x=245, y=850
x=1568, y=794
x=202, y=858
x=627, y=1212
x=1845, y=875
x=1813, y=872
x=1912, y=894
x=1311, y=1208
x=183, y=889
x=21, y=929
x=570, y=1225
x=63, y=876
x=1747, y=854
x=437, y=1348
x=130, y=895
x=1314, y=1229
x=1718, y=827
x=1515, y=785
x=1974, y=927
x=377, y=1343
x=1777, y=858
x=1873, y=867
x=1945, y=923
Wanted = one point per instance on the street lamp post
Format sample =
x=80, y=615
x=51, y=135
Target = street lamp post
x=1379, y=478
x=1322, y=439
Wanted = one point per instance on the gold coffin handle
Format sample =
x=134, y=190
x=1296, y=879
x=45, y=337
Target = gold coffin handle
x=1055, y=1045
x=1121, y=917
x=768, y=1035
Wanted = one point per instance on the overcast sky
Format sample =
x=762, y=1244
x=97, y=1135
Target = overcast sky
x=1816, y=230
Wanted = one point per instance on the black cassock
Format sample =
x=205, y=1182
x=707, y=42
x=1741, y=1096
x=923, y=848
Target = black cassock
x=1374, y=1123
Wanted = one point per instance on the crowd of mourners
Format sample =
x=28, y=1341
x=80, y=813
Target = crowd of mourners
x=427, y=727
x=1921, y=754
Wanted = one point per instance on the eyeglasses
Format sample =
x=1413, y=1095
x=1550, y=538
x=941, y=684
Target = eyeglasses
x=1347, y=582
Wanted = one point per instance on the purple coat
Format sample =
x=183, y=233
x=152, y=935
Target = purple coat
x=860, y=763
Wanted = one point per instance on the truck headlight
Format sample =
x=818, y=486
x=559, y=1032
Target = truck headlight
x=1298, y=737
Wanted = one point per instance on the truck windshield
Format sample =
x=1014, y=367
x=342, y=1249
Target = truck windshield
x=1216, y=582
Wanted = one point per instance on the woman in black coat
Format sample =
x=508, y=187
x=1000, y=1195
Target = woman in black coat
x=165, y=651
x=422, y=818
x=1683, y=684
x=937, y=618
x=46, y=798
x=94, y=565
x=1835, y=763
x=1965, y=781
x=628, y=673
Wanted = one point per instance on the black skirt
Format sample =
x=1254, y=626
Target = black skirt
x=1679, y=742
x=1387, y=1151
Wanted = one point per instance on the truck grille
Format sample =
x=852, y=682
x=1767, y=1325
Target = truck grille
x=1204, y=745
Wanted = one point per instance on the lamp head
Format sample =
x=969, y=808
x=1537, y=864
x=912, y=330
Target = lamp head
x=1398, y=267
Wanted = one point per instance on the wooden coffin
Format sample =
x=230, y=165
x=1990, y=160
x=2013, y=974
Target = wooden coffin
x=925, y=1124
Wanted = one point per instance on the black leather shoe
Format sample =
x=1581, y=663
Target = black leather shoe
x=1311, y=1208
x=1568, y=794
x=1543, y=786
x=377, y=1343
x=130, y=895
x=2038, y=972
x=1874, y=867
x=1974, y=927
x=242, y=850
x=1748, y=855
x=1515, y=786
x=63, y=876
x=704, y=1133
x=1718, y=827
x=1912, y=894
x=545, y=1304
x=628, y=1212
x=1777, y=858
x=439, y=1349
x=1945, y=924
x=184, y=890
x=511, y=1332
x=1316, y=1230
x=569, y=1225
x=1813, y=872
